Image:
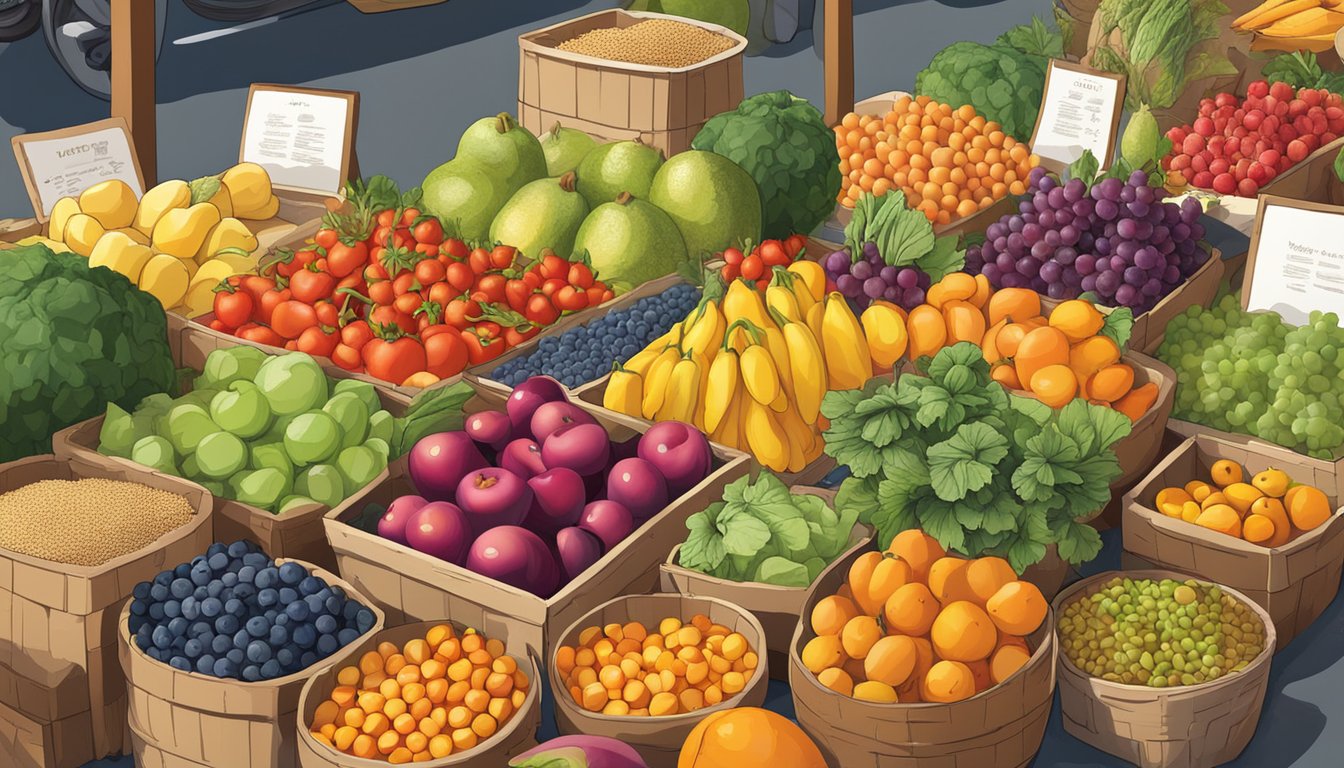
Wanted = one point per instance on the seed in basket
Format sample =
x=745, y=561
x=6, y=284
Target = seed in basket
x=432, y=697
x=629, y=669
x=1160, y=633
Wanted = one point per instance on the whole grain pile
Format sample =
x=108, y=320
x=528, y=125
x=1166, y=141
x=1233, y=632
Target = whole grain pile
x=656, y=42
x=87, y=522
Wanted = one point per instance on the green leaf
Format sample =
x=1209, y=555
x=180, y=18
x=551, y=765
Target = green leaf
x=1339, y=165
x=1092, y=427
x=943, y=259
x=939, y=519
x=858, y=497
x=1085, y=167
x=1299, y=69
x=782, y=572
x=204, y=188
x=965, y=462
x=1078, y=542
x=1117, y=326
x=703, y=549
x=742, y=534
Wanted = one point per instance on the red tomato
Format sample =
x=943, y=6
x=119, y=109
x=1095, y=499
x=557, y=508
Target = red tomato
x=552, y=285
x=216, y=325
x=391, y=316
x=479, y=261
x=408, y=217
x=493, y=286
x=409, y=302
x=732, y=257
x=540, y=310
x=395, y=360
x=441, y=294
x=256, y=287
x=429, y=272
x=753, y=267
x=513, y=337
x=730, y=272
x=455, y=248
x=460, y=276
x=356, y=334
x=404, y=283
x=326, y=239
x=460, y=311
x=517, y=292
x=381, y=292
x=291, y=318
x=387, y=218
x=317, y=342
x=292, y=345
x=375, y=270
x=502, y=256
x=533, y=278
x=794, y=245
x=260, y=334
x=445, y=352
x=347, y=357
x=310, y=285
x=327, y=314
x=773, y=254
x=429, y=230
x=597, y=294
x=430, y=331
x=269, y=301
x=570, y=299
x=354, y=282
x=479, y=349
x=580, y=276
x=553, y=266
x=233, y=306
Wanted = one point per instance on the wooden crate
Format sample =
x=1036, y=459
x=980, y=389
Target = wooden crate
x=615, y=100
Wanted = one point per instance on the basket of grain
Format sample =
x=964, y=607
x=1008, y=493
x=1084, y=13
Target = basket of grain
x=1293, y=579
x=709, y=663
x=189, y=719
x=621, y=75
x=1142, y=709
x=1000, y=726
x=413, y=672
x=75, y=535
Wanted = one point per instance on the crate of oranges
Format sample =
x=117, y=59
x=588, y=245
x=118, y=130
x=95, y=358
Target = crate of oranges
x=1249, y=516
x=911, y=656
x=953, y=165
x=434, y=693
x=648, y=668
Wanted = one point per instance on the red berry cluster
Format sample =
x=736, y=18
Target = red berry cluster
x=1237, y=148
x=757, y=266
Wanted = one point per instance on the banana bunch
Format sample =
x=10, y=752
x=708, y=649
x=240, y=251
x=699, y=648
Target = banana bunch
x=178, y=240
x=751, y=370
x=1290, y=25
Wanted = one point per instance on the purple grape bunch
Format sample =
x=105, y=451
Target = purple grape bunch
x=868, y=278
x=1117, y=240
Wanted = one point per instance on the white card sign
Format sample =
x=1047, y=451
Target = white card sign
x=65, y=162
x=303, y=137
x=1296, y=261
x=1080, y=110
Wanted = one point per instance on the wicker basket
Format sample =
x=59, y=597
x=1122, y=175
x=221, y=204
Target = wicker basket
x=1001, y=727
x=516, y=736
x=1194, y=726
x=658, y=739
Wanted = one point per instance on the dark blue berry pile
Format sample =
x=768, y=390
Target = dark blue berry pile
x=234, y=613
x=585, y=353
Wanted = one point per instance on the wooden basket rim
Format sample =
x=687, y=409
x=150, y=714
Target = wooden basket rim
x=528, y=42
x=530, y=702
x=757, y=645
x=1262, y=659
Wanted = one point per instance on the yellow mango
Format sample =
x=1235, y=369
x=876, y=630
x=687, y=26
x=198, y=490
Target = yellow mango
x=228, y=233
x=1240, y=496
x=158, y=201
x=1222, y=518
x=222, y=201
x=60, y=215
x=165, y=278
x=121, y=254
x=249, y=188
x=82, y=232
x=134, y=234
x=267, y=211
x=182, y=231
x=111, y=202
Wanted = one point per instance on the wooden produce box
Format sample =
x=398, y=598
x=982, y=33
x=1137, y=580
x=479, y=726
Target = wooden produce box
x=189, y=720
x=1293, y=583
x=615, y=100
x=412, y=586
x=62, y=693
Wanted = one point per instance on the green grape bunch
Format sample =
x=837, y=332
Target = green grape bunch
x=1253, y=374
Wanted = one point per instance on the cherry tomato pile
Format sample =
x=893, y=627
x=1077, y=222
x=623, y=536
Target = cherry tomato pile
x=763, y=258
x=404, y=303
x=1235, y=147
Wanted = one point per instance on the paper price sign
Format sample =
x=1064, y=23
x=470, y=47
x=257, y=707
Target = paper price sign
x=303, y=137
x=1296, y=261
x=1080, y=110
x=66, y=162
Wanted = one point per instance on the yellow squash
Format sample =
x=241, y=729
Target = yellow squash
x=813, y=277
x=884, y=328
x=683, y=389
x=111, y=202
x=847, y=363
x=807, y=369
x=624, y=392
x=724, y=382
x=181, y=232
x=655, y=383
x=158, y=201
x=61, y=212
x=759, y=374
x=743, y=302
x=765, y=437
x=119, y=253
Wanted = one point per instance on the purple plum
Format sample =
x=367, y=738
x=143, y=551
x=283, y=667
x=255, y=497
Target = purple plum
x=578, y=550
x=551, y=416
x=583, y=448
x=608, y=520
x=579, y=751
x=515, y=556
x=528, y=397
x=392, y=525
x=680, y=452
x=438, y=462
x=638, y=486
x=491, y=428
x=440, y=529
x=492, y=497
x=557, y=500
x=522, y=457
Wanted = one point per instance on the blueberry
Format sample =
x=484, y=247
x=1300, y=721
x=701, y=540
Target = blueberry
x=235, y=607
x=308, y=659
x=139, y=607
x=292, y=574
x=134, y=623
x=172, y=609
x=327, y=645
x=267, y=598
x=178, y=644
x=221, y=644
x=282, y=620
x=236, y=655
x=298, y=611
x=258, y=652
x=180, y=662
x=326, y=624
x=200, y=629
x=278, y=636
x=162, y=638
x=335, y=604
x=154, y=653
x=288, y=595
x=316, y=603
x=286, y=657
x=182, y=571
x=200, y=593
x=206, y=664
x=193, y=649
x=347, y=636
x=351, y=610
x=229, y=579
x=256, y=560
x=271, y=669
x=364, y=621
x=218, y=562
x=179, y=627
x=241, y=638
x=258, y=626
x=247, y=574
x=211, y=607
x=191, y=610
x=141, y=591
x=159, y=592
x=225, y=668
x=217, y=548
x=238, y=548
x=311, y=586
x=270, y=615
x=304, y=635
x=251, y=673
x=244, y=591
x=227, y=624
x=200, y=574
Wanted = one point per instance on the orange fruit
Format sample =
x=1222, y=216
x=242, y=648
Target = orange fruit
x=1054, y=385
x=1007, y=659
x=837, y=680
x=1240, y=496
x=822, y=652
x=1225, y=472
x=963, y=632
x=830, y=615
x=1018, y=608
x=911, y=610
x=986, y=575
x=947, y=579
x=891, y=660
x=1272, y=482
x=1040, y=348
x=1307, y=506
x=918, y=549
x=859, y=636
x=749, y=737
x=1077, y=319
x=1110, y=383
x=948, y=681
x=1015, y=304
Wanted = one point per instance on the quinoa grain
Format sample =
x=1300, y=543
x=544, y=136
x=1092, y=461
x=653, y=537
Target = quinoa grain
x=657, y=43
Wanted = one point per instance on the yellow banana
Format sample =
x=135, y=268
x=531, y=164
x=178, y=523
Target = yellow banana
x=765, y=437
x=812, y=275
x=802, y=295
x=814, y=320
x=706, y=332
x=884, y=328
x=656, y=381
x=759, y=374
x=729, y=432
x=720, y=389
x=639, y=364
x=807, y=370
x=683, y=389
x=624, y=392
x=798, y=438
x=846, y=352
x=779, y=298
x=743, y=302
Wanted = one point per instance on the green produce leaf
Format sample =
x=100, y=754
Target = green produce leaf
x=1002, y=82
x=858, y=497
x=939, y=519
x=432, y=410
x=1094, y=428
x=1118, y=325
x=1339, y=165
x=204, y=188
x=1300, y=69
x=865, y=425
x=1162, y=46
x=704, y=549
x=965, y=462
x=897, y=502
x=1077, y=542
x=743, y=534
x=909, y=235
x=946, y=257
x=782, y=572
x=828, y=531
x=1034, y=39
x=1085, y=167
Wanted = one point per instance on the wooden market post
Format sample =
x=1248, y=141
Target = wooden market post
x=838, y=51
x=134, y=45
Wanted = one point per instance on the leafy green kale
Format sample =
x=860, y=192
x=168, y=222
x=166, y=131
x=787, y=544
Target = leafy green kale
x=1003, y=81
x=72, y=339
x=786, y=146
x=1301, y=69
x=1161, y=46
x=980, y=470
x=903, y=236
x=761, y=532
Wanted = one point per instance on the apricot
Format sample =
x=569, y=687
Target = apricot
x=1091, y=355
x=918, y=549
x=1198, y=490
x=874, y=691
x=1016, y=304
x=1111, y=383
x=1225, y=472
x=1240, y=496
x=986, y=575
x=1273, y=509
x=1171, y=500
x=1077, y=319
x=891, y=660
x=859, y=636
x=1007, y=660
x=911, y=609
x=1040, y=348
x=823, y=651
x=947, y=579
x=830, y=615
x=1018, y=608
x=1271, y=482
x=963, y=632
x=1221, y=518
x=909, y=691
x=1054, y=385
x=1257, y=529
x=948, y=681
x=1307, y=506
x=980, y=674
x=837, y=680
x=1212, y=499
